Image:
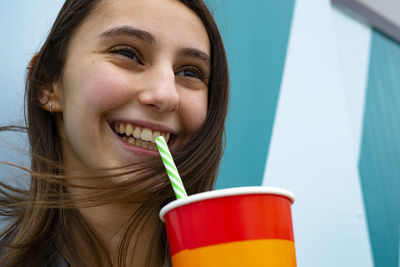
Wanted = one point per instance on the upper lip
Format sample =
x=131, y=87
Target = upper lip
x=145, y=124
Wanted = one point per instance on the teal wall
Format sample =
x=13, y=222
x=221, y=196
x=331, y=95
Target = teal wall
x=256, y=37
x=380, y=151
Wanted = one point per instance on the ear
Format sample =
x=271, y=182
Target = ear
x=50, y=98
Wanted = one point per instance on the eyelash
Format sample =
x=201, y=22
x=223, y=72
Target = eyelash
x=123, y=49
x=199, y=73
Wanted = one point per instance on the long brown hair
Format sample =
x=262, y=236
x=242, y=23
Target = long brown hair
x=40, y=217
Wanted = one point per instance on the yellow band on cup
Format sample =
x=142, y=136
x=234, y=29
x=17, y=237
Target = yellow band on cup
x=250, y=253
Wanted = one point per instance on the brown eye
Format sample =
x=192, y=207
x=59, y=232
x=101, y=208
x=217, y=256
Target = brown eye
x=188, y=73
x=128, y=52
x=191, y=72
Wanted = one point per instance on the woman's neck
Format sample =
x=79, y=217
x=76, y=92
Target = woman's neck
x=109, y=223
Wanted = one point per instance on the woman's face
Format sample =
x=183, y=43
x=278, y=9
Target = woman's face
x=134, y=70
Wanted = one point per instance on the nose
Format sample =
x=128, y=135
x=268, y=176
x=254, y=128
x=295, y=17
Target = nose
x=159, y=91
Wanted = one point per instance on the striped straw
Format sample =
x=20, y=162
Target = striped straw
x=170, y=167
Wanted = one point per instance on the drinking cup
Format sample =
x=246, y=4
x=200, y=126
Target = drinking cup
x=243, y=227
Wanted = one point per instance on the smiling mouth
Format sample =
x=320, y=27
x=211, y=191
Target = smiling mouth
x=140, y=136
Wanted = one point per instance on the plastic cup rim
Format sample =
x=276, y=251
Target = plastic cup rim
x=235, y=191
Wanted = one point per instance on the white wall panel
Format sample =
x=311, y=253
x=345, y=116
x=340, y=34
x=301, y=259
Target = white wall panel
x=353, y=41
x=314, y=147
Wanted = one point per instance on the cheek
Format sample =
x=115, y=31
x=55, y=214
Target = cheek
x=96, y=88
x=106, y=92
x=193, y=110
x=90, y=94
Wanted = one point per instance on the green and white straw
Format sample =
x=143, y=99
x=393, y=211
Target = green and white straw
x=169, y=165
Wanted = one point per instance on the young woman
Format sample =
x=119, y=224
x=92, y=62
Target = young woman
x=111, y=76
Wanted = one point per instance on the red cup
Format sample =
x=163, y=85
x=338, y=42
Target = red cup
x=243, y=227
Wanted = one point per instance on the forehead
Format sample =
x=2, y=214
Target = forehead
x=166, y=20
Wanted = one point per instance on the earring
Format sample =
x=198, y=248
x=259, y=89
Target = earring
x=33, y=60
x=50, y=104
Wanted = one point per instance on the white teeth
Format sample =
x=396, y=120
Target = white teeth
x=137, y=133
x=155, y=135
x=121, y=129
x=128, y=129
x=146, y=144
x=152, y=146
x=131, y=141
x=143, y=137
x=139, y=142
x=146, y=134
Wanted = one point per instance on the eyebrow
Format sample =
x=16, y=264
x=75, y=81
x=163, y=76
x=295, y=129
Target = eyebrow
x=128, y=31
x=196, y=54
x=149, y=39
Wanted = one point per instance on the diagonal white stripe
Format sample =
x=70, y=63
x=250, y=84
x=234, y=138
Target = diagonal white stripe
x=179, y=193
x=176, y=181
x=166, y=157
x=163, y=146
x=173, y=171
x=176, y=187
